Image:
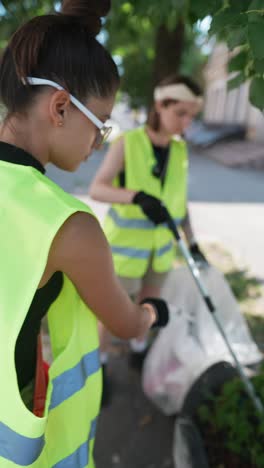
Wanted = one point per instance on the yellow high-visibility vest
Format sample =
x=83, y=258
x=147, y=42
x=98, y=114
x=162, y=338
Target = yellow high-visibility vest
x=32, y=210
x=132, y=236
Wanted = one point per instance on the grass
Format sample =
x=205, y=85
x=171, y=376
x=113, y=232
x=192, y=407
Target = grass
x=256, y=326
x=244, y=286
x=247, y=289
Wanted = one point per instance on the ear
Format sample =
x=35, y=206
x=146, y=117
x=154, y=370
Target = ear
x=58, y=107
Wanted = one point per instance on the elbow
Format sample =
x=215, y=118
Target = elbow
x=93, y=192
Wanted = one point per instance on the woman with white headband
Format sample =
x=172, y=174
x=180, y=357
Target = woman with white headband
x=145, y=169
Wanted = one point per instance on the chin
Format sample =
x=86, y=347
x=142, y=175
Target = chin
x=74, y=166
x=176, y=131
x=71, y=166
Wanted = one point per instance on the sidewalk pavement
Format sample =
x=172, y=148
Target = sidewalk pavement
x=132, y=433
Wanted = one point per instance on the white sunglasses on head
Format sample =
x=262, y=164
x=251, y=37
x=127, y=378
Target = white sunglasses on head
x=104, y=131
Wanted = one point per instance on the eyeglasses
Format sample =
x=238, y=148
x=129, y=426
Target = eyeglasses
x=103, y=130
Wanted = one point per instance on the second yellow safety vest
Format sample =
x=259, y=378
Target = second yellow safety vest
x=132, y=236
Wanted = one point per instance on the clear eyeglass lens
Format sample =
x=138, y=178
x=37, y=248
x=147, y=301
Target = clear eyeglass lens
x=102, y=135
x=106, y=133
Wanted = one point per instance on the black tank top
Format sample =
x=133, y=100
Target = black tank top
x=161, y=154
x=26, y=345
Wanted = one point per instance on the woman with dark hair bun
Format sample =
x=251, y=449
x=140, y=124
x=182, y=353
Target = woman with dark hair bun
x=145, y=169
x=58, y=85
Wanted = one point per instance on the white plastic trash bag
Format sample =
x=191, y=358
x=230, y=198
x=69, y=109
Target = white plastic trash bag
x=191, y=342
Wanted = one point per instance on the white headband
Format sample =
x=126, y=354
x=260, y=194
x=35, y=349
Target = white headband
x=179, y=92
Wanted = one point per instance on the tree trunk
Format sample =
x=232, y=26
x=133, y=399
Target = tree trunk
x=169, y=47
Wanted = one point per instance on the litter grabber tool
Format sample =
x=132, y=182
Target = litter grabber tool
x=213, y=311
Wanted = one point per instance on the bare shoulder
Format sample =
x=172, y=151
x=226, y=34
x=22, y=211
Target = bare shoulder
x=116, y=149
x=79, y=236
x=118, y=144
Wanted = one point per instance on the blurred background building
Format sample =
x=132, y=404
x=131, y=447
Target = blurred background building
x=229, y=107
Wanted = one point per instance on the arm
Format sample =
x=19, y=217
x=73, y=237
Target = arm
x=81, y=251
x=101, y=189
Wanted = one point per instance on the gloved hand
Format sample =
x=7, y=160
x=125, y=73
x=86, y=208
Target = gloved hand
x=197, y=255
x=152, y=207
x=161, y=309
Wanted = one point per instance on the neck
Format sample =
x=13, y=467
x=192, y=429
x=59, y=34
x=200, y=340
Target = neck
x=24, y=137
x=159, y=138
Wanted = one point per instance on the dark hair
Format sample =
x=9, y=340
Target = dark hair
x=60, y=47
x=153, y=119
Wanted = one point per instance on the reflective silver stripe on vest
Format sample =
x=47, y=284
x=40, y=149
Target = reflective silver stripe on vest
x=72, y=380
x=80, y=458
x=135, y=223
x=130, y=223
x=130, y=252
x=19, y=449
x=164, y=249
x=139, y=253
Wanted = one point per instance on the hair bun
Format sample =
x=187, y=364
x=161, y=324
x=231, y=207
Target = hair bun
x=87, y=12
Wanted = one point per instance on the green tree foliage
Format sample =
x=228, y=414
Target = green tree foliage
x=15, y=12
x=153, y=38
x=134, y=28
x=241, y=25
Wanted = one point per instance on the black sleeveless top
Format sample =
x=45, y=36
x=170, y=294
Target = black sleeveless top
x=161, y=154
x=26, y=345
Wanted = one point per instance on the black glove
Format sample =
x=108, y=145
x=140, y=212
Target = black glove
x=152, y=207
x=161, y=310
x=197, y=255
